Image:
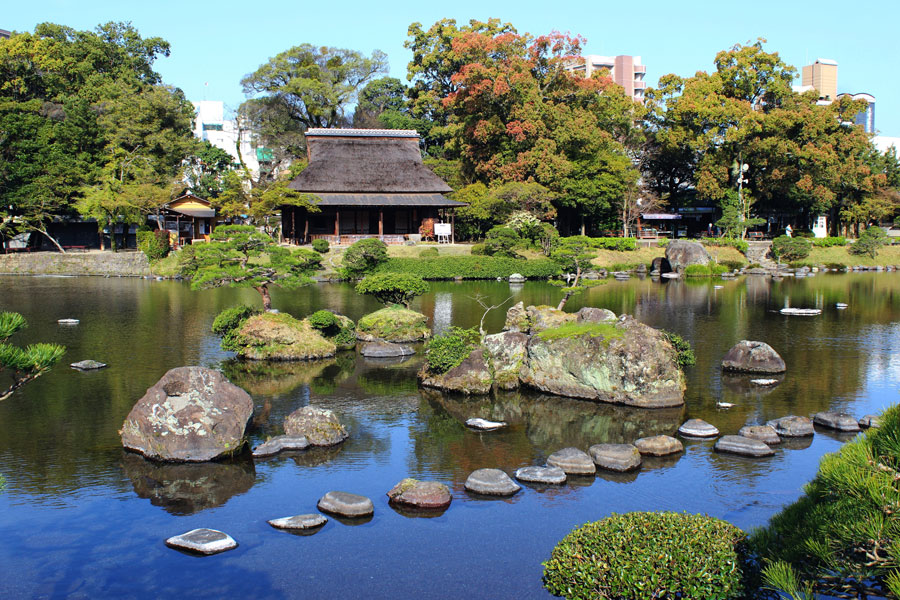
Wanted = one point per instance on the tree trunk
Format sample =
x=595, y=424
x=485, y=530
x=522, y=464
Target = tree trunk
x=52, y=239
x=267, y=300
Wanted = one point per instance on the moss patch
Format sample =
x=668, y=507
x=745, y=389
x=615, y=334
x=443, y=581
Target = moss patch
x=570, y=330
x=394, y=324
x=271, y=336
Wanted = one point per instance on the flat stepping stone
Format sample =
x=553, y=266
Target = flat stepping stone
x=573, y=461
x=280, y=443
x=698, y=428
x=616, y=457
x=385, y=350
x=202, y=541
x=869, y=421
x=744, y=446
x=836, y=421
x=658, y=445
x=420, y=494
x=548, y=475
x=793, y=426
x=484, y=424
x=345, y=504
x=801, y=312
x=68, y=321
x=841, y=305
x=763, y=381
x=303, y=522
x=491, y=482
x=671, y=275
x=764, y=433
x=87, y=365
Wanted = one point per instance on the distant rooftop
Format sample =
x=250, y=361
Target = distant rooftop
x=5, y=34
x=400, y=133
x=826, y=61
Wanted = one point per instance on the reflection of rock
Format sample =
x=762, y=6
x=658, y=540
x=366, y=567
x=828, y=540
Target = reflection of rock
x=190, y=414
x=385, y=350
x=316, y=456
x=753, y=357
x=187, y=488
x=271, y=378
x=742, y=384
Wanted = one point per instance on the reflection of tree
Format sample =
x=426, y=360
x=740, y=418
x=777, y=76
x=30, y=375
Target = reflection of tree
x=272, y=378
x=387, y=382
x=187, y=488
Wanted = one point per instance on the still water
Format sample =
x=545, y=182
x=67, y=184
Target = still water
x=80, y=518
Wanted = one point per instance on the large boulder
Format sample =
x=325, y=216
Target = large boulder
x=508, y=351
x=393, y=324
x=191, y=414
x=319, y=426
x=625, y=362
x=471, y=376
x=681, y=253
x=753, y=357
x=535, y=318
x=279, y=336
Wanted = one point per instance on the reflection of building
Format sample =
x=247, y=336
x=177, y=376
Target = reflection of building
x=211, y=125
x=368, y=183
x=626, y=71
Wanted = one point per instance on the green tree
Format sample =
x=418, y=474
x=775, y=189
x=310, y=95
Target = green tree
x=241, y=256
x=573, y=254
x=363, y=256
x=392, y=288
x=205, y=170
x=23, y=364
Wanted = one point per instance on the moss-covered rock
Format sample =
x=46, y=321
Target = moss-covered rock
x=393, y=324
x=472, y=376
x=279, y=336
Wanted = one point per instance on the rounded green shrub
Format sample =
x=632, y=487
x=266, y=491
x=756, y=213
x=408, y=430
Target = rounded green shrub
x=228, y=322
x=697, y=271
x=363, y=256
x=393, y=288
x=478, y=250
x=428, y=252
x=323, y=319
x=869, y=242
x=448, y=349
x=155, y=244
x=502, y=241
x=321, y=246
x=788, y=249
x=649, y=555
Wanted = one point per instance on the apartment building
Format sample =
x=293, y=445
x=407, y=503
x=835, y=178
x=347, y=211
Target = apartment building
x=626, y=71
x=211, y=125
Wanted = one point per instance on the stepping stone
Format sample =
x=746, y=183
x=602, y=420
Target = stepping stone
x=385, y=350
x=838, y=421
x=484, y=424
x=345, y=504
x=68, y=321
x=736, y=444
x=801, y=312
x=87, y=365
x=279, y=443
x=202, y=541
x=841, y=305
x=573, y=461
x=698, y=428
x=420, y=494
x=671, y=275
x=792, y=426
x=549, y=475
x=725, y=405
x=517, y=278
x=491, y=482
x=310, y=521
x=658, y=445
x=869, y=421
x=764, y=433
x=764, y=381
x=616, y=457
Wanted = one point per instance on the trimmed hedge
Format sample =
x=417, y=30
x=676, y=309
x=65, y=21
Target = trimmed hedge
x=649, y=555
x=620, y=244
x=320, y=245
x=828, y=242
x=470, y=267
x=740, y=245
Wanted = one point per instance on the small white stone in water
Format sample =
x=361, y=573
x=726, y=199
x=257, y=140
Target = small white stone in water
x=724, y=404
x=718, y=287
x=841, y=305
x=68, y=321
x=203, y=541
x=801, y=312
x=764, y=381
x=484, y=424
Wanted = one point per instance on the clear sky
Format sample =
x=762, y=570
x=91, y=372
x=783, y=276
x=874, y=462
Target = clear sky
x=214, y=44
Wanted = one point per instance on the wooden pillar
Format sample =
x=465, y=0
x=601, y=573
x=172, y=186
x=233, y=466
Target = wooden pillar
x=294, y=225
x=453, y=226
x=380, y=223
x=337, y=225
x=305, y=228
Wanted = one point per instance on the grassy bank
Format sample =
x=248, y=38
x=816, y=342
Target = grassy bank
x=889, y=255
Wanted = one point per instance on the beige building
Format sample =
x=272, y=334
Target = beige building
x=626, y=71
x=822, y=76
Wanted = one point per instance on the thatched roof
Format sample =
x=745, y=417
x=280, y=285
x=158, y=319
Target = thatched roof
x=366, y=161
x=393, y=200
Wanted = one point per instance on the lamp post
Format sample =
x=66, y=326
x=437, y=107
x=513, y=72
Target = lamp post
x=742, y=169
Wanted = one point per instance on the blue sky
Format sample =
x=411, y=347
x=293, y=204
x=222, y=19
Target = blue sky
x=214, y=44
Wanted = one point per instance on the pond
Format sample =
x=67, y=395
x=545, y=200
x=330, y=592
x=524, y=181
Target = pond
x=81, y=518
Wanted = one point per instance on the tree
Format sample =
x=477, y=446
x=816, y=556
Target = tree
x=495, y=205
x=573, y=254
x=363, y=256
x=240, y=199
x=241, y=256
x=383, y=104
x=23, y=364
x=393, y=288
x=205, y=170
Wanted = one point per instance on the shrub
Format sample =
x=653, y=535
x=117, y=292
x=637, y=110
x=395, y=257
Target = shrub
x=737, y=243
x=835, y=266
x=447, y=350
x=364, y=256
x=718, y=269
x=228, y=322
x=697, y=271
x=870, y=242
x=502, y=241
x=428, y=252
x=470, y=267
x=828, y=242
x=340, y=330
x=393, y=288
x=732, y=265
x=155, y=244
x=188, y=263
x=787, y=248
x=478, y=250
x=323, y=320
x=685, y=356
x=648, y=555
x=841, y=536
x=321, y=246
x=620, y=244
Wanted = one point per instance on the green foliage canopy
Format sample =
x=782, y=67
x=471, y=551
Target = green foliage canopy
x=23, y=364
x=393, y=288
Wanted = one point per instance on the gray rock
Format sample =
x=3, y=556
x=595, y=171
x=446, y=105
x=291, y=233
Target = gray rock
x=737, y=444
x=202, y=541
x=837, y=421
x=595, y=315
x=681, y=254
x=87, y=365
x=869, y=421
x=345, y=504
x=309, y=521
x=660, y=265
x=420, y=494
x=616, y=457
x=658, y=445
x=516, y=278
x=491, y=482
x=278, y=444
x=547, y=475
x=472, y=376
x=319, y=426
x=573, y=461
x=698, y=428
x=792, y=426
x=641, y=268
x=764, y=433
x=191, y=414
x=753, y=357
x=484, y=424
x=385, y=350
x=507, y=352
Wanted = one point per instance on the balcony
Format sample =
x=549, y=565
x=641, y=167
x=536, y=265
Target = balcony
x=640, y=85
x=640, y=69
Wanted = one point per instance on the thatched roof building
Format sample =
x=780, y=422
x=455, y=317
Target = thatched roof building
x=369, y=182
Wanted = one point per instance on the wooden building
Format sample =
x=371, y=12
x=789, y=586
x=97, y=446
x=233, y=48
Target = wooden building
x=367, y=183
x=189, y=217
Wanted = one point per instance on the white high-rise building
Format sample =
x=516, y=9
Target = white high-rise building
x=211, y=125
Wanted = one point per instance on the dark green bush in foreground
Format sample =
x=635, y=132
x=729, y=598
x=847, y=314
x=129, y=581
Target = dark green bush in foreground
x=648, y=555
x=448, y=349
x=155, y=244
x=470, y=267
x=870, y=242
x=228, y=322
x=323, y=320
x=321, y=246
x=788, y=249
